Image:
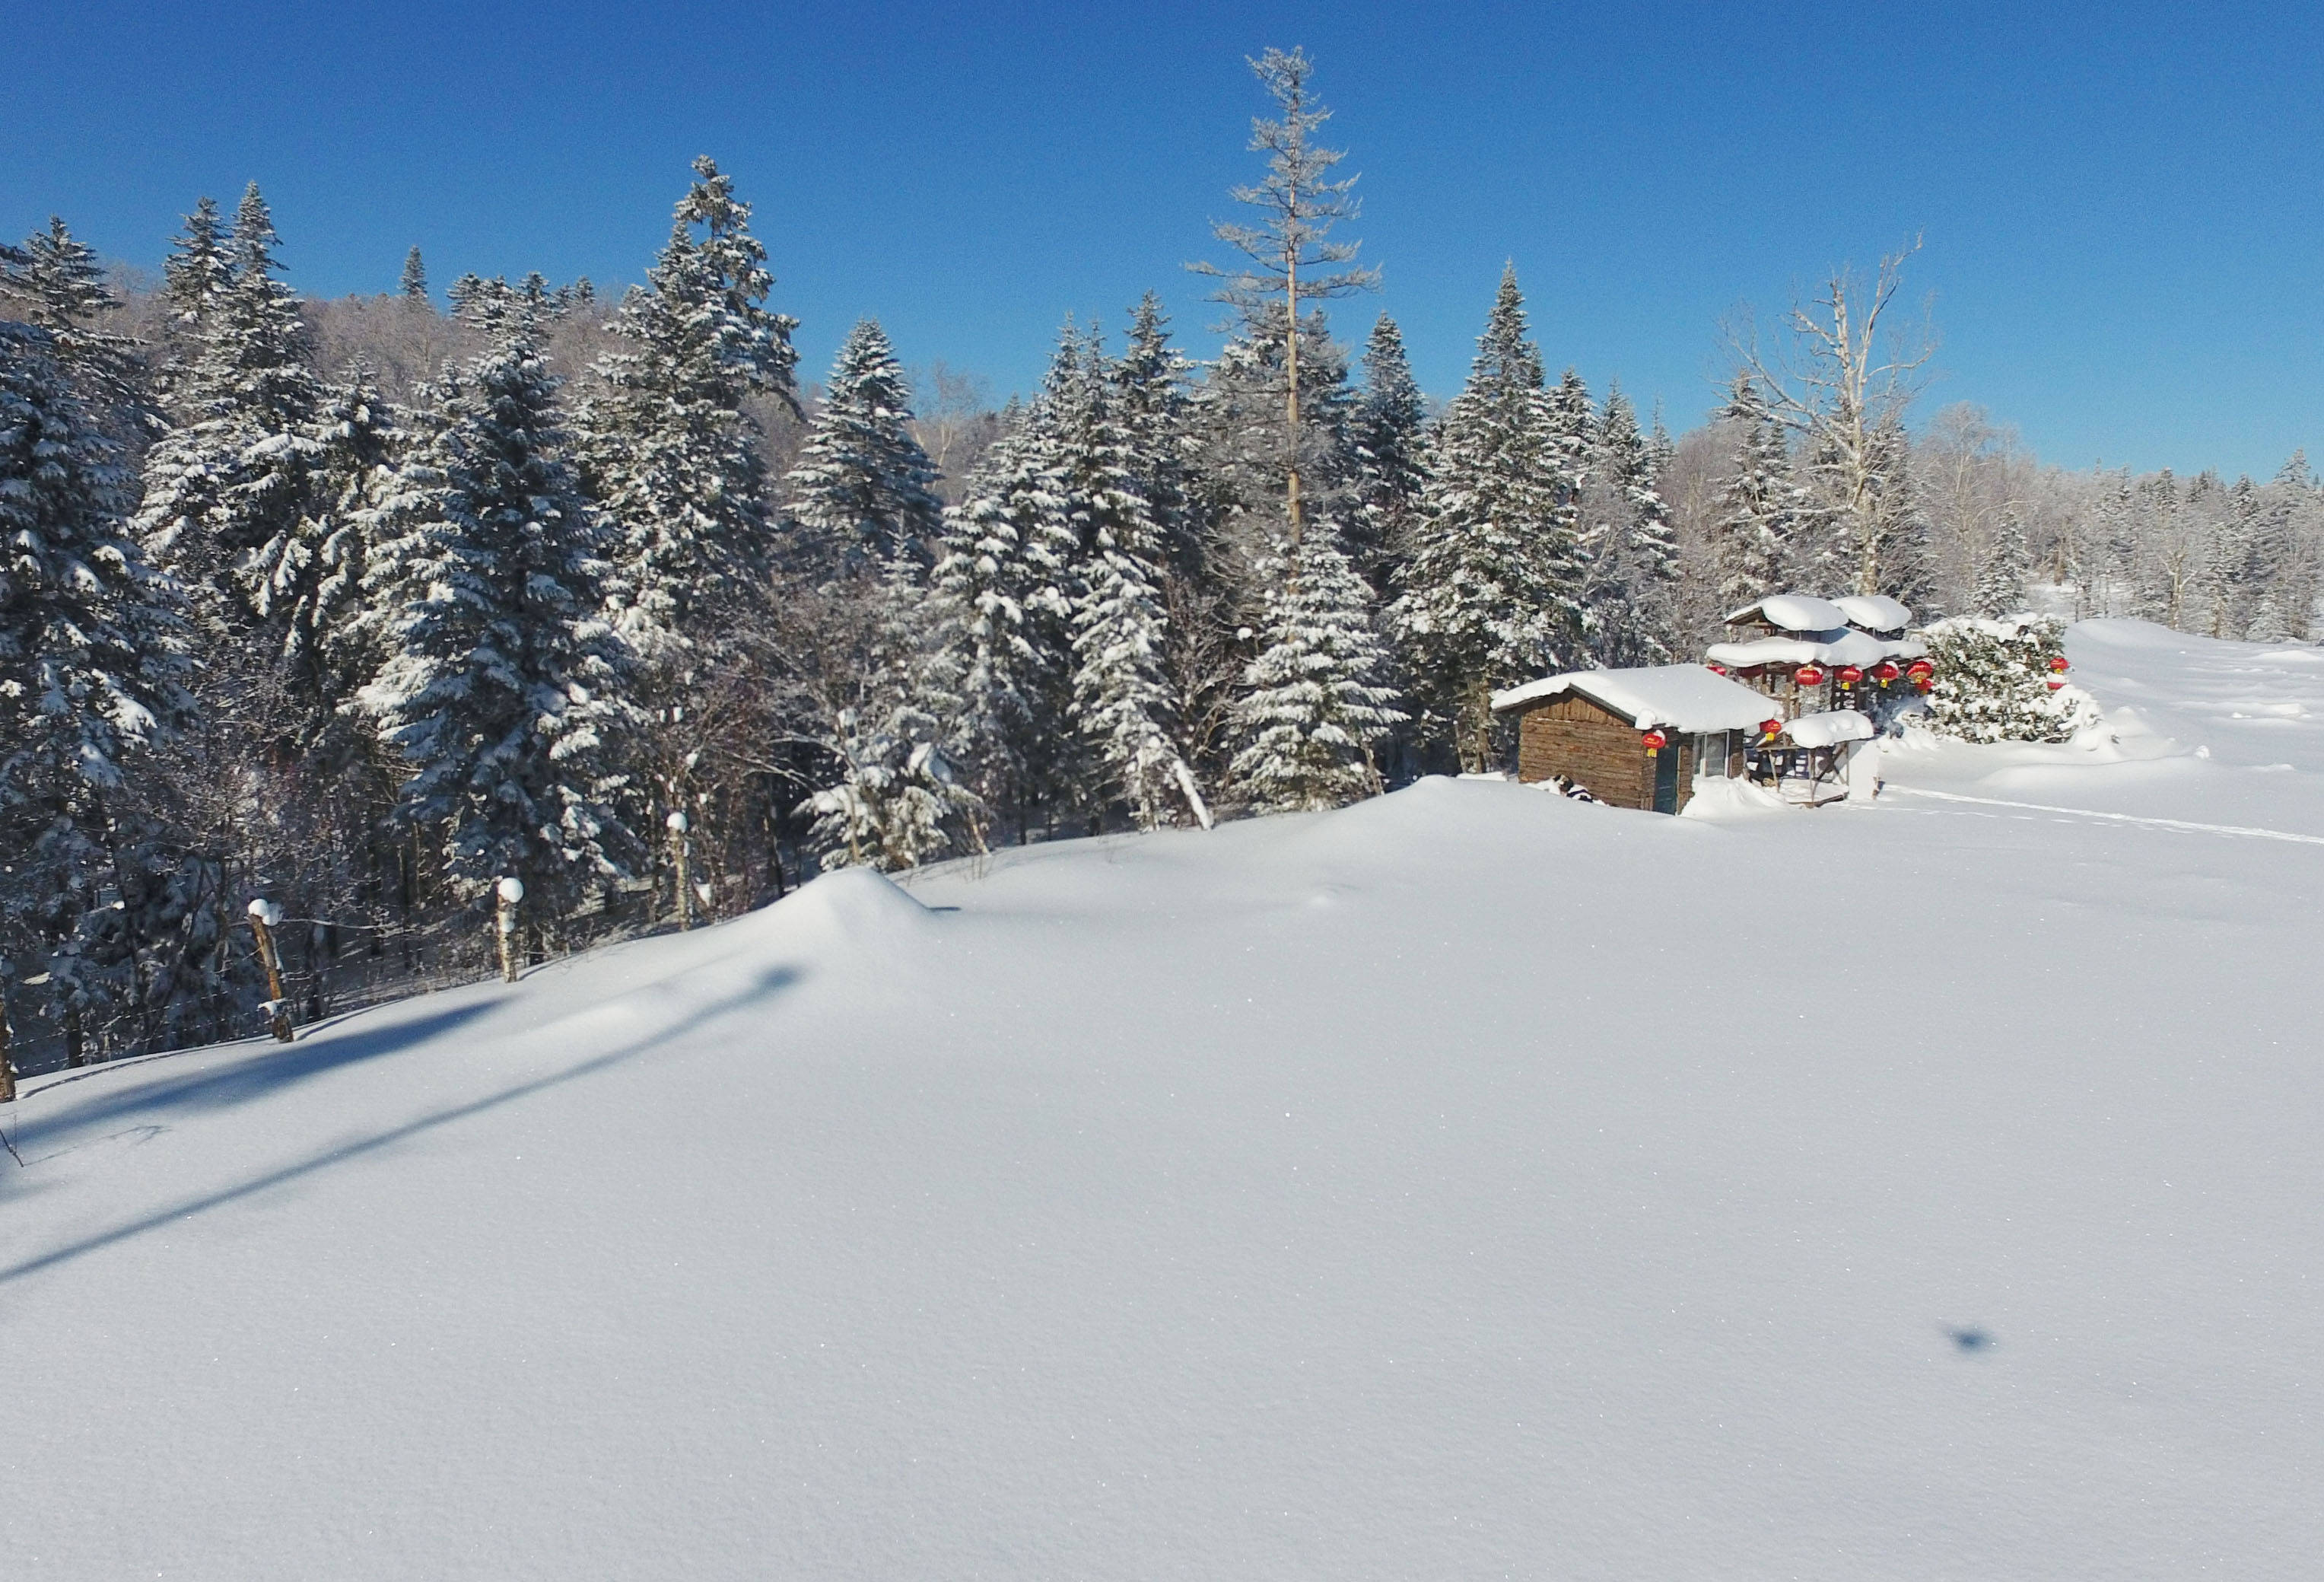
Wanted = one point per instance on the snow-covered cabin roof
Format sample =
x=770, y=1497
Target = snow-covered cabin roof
x=1795, y=612
x=1685, y=697
x=1829, y=729
x=1874, y=612
x=1849, y=648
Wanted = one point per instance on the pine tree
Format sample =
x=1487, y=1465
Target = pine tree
x=1121, y=703
x=1493, y=592
x=414, y=284
x=1003, y=619
x=198, y=271
x=505, y=689
x=1994, y=681
x=1759, y=509
x=1243, y=464
x=1390, y=435
x=894, y=800
x=2001, y=579
x=1572, y=426
x=59, y=285
x=1290, y=261
x=227, y=487
x=1314, y=703
x=1633, y=580
x=670, y=451
x=1157, y=412
x=317, y=595
x=863, y=491
x=92, y=663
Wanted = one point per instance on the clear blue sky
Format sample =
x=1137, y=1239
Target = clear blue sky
x=2124, y=217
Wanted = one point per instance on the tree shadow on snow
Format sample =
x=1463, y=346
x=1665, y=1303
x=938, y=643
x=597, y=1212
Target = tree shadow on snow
x=772, y=981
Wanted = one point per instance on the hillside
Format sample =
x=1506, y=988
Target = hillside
x=1470, y=1182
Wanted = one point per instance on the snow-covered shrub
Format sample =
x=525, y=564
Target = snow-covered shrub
x=1994, y=682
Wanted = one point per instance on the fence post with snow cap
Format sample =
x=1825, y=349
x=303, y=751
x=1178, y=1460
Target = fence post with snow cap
x=676, y=825
x=509, y=892
x=265, y=917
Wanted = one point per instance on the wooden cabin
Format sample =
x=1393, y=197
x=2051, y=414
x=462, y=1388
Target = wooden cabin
x=1633, y=739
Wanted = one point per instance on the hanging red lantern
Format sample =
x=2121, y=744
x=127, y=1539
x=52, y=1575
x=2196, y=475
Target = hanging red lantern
x=1771, y=727
x=1715, y=669
x=1850, y=675
x=1924, y=684
x=1655, y=741
x=1808, y=676
x=2058, y=662
x=1886, y=671
x=1920, y=669
x=2053, y=685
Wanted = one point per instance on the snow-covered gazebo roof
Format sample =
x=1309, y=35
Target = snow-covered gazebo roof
x=1874, y=612
x=1685, y=697
x=1847, y=648
x=1795, y=612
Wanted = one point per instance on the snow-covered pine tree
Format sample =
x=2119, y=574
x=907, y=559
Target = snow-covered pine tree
x=1573, y=429
x=1390, y=436
x=414, y=284
x=669, y=449
x=1157, y=412
x=1632, y=590
x=1121, y=701
x=1002, y=621
x=2001, y=581
x=319, y=597
x=1493, y=591
x=197, y=272
x=893, y=801
x=58, y=284
x=227, y=487
x=1290, y=262
x=1315, y=701
x=505, y=689
x=91, y=662
x=1760, y=508
x=1994, y=681
x=862, y=491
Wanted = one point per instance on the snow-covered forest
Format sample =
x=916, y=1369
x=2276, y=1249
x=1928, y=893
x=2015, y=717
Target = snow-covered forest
x=366, y=604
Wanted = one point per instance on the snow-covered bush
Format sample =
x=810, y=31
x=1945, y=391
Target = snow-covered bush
x=1999, y=681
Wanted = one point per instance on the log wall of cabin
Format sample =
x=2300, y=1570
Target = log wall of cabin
x=1597, y=749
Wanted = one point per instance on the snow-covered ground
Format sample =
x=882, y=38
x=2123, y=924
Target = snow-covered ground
x=1469, y=1183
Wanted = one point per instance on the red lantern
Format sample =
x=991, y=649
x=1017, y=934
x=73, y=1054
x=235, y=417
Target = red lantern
x=1886, y=671
x=2053, y=685
x=1771, y=727
x=1716, y=670
x=1924, y=684
x=1920, y=669
x=2058, y=662
x=1655, y=741
x=1808, y=676
x=1850, y=675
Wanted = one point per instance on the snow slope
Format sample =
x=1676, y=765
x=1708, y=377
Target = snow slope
x=1468, y=1183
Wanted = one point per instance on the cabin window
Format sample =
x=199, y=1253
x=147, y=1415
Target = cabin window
x=1710, y=756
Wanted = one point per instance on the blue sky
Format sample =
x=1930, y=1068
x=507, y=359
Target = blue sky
x=2120, y=203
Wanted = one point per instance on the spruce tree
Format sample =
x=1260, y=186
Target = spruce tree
x=1314, y=702
x=1493, y=592
x=669, y=449
x=1994, y=682
x=414, y=284
x=91, y=663
x=58, y=284
x=1157, y=412
x=1121, y=703
x=227, y=488
x=504, y=690
x=197, y=272
x=863, y=491
x=2001, y=579
x=1002, y=616
x=1633, y=580
x=1390, y=436
x=1290, y=261
x=1759, y=509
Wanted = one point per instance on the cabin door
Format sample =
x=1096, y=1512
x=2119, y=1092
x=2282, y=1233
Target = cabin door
x=1666, y=780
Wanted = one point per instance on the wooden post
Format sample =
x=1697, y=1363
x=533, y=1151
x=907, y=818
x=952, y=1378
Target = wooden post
x=264, y=916
x=677, y=824
x=511, y=890
x=7, y=1070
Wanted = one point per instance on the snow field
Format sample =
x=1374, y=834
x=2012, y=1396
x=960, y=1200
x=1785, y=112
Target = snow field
x=1470, y=1182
